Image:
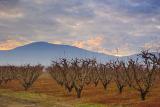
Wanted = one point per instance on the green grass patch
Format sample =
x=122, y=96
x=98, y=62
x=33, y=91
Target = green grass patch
x=41, y=99
x=23, y=95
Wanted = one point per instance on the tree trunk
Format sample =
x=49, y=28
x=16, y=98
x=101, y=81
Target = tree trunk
x=0, y=82
x=130, y=86
x=79, y=93
x=6, y=81
x=69, y=88
x=95, y=83
x=120, y=88
x=26, y=86
x=78, y=90
x=143, y=95
x=105, y=85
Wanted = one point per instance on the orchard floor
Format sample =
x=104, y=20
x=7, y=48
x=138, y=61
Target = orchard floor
x=46, y=93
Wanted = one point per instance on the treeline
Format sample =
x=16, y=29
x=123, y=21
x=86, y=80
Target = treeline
x=140, y=75
x=76, y=74
x=26, y=75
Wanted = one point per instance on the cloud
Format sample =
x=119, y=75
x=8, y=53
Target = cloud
x=10, y=44
x=8, y=3
x=4, y=15
x=133, y=6
x=98, y=25
x=91, y=42
x=153, y=44
x=9, y=9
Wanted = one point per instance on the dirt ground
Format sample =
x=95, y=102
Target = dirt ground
x=46, y=93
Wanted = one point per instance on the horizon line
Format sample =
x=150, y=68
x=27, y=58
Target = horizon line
x=32, y=42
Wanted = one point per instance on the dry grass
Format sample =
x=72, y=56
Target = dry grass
x=53, y=94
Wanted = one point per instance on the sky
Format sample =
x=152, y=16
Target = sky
x=115, y=27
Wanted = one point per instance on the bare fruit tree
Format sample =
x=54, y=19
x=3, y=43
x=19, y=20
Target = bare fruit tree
x=7, y=74
x=143, y=74
x=119, y=75
x=68, y=74
x=55, y=71
x=82, y=72
x=105, y=73
x=29, y=74
x=71, y=74
x=93, y=76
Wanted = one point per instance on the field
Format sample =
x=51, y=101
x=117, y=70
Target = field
x=46, y=93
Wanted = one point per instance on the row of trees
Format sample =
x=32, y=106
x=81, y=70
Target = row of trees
x=140, y=75
x=137, y=74
x=26, y=75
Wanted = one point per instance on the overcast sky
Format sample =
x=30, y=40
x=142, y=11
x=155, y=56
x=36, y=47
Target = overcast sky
x=97, y=25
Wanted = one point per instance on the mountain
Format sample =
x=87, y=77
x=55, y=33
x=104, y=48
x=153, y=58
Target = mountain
x=44, y=53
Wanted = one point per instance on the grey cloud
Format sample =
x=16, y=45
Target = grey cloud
x=131, y=22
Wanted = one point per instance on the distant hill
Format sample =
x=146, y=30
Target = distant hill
x=44, y=53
